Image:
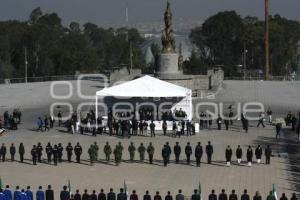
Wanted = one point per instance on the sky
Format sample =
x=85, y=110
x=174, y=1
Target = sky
x=113, y=11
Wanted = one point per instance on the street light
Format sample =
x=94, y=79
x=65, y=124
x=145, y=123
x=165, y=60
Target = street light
x=26, y=63
x=245, y=60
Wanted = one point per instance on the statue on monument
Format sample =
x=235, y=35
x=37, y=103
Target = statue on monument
x=168, y=41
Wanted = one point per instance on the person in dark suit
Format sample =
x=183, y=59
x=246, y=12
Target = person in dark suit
x=209, y=152
x=233, y=196
x=93, y=196
x=101, y=195
x=177, y=151
x=64, y=194
x=133, y=196
x=212, y=196
x=283, y=197
x=228, y=155
x=198, y=153
x=195, y=196
x=121, y=195
x=219, y=122
x=179, y=196
x=77, y=196
x=245, y=196
x=169, y=196
x=268, y=153
x=258, y=154
x=49, y=193
x=188, y=153
x=3, y=152
x=157, y=196
x=147, y=196
x=239, y=154
x=249, y=156
x=85, y=195
x=223, y=195
x=257, y=196
x=21, y=152
x=111, y=195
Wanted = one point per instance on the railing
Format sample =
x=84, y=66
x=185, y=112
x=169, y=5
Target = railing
x=38, y=79
x=253, y=78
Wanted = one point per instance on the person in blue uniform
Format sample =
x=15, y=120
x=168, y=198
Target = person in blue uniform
x=29, y=193
x=23, y=195
x=7, y=192
x=2, y=195
x=17, y=193
x=40, y=195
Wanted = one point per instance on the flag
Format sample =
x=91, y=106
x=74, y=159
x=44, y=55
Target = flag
x=1, y=186
x=200, y=191
x=125, y=189
x=274, y=192
x=69, y=186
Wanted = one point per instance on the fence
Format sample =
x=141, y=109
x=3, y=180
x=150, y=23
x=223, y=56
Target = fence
x=255, y=78
x=38, y=79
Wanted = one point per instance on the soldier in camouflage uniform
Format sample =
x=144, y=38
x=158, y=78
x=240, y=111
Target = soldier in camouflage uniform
x=131, y=150
x=96, y=148
x=142, y=151
x=118, y=153
x=107, y=151
x=92, y=153
x=150, y=151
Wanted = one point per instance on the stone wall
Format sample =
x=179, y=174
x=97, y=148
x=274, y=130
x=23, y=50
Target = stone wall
x=198, y=83
x=124, y=74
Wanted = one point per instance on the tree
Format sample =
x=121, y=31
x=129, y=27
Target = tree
x=35, y=15
x=222, y=38
x=74, y=27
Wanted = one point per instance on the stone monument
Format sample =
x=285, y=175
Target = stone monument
x=168, y=61
x=171, y=63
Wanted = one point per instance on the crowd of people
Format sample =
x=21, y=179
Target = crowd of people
x=10, y=120
x=67, y=194
x=117, y=126
x=55, y=153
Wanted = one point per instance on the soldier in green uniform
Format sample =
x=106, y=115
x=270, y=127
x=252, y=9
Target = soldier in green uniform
x=150, y=151
x=131, y=150
x=92, y=154
x=120, y=147
x=165, y=154
x=96, y=148
x=142, y=151
x=118, y=153
x=107, y=151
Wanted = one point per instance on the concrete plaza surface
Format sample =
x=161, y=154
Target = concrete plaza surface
x=34, y=100
x=142, y=176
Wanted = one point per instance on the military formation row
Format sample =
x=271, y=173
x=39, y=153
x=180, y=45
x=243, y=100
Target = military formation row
x=66, y=194
x=55, y=153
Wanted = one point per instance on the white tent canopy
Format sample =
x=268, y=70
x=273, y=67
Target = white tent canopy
x=148, y=86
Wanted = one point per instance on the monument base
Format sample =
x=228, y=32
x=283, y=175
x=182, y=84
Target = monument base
x=168, y=64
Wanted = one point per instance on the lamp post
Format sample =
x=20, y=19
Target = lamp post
x=26, y=63
x=267, y=50
x=245, y=60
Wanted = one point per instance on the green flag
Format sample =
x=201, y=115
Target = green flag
x=69, y=186
x=200, y=191
x=1, y=186
x=274, y=192
x=125, y=189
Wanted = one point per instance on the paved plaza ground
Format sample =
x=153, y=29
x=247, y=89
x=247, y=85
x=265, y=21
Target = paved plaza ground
x=34, y=100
